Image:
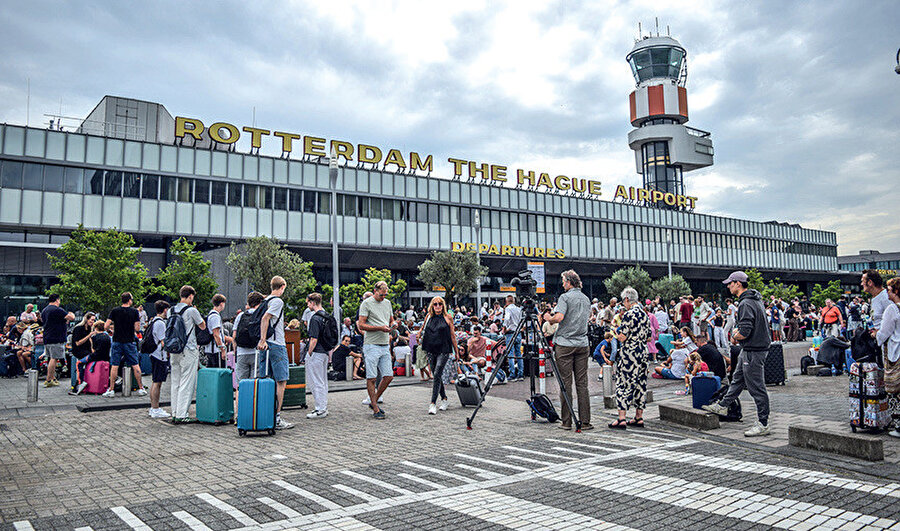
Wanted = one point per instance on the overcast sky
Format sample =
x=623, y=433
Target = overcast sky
x=801, y=97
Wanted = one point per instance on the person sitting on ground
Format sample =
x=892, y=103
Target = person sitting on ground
x=693, y=365
x=26, y=345
x=474, y=356
x=293, y=324
x=339, y=360
x=712, y=358
x=675, y=367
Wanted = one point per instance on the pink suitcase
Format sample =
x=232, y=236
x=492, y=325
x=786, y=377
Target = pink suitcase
x=96, y=374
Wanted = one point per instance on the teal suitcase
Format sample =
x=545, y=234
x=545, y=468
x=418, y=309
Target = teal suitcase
x=215, y=396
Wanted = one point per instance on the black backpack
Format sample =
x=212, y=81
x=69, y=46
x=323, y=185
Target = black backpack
x=543, y=407
x=242, y=335
x=805, y=362
x=148, y=345
x=328, y=332
x=735, y=413
x=255, y=323
x=204, y=337
x=176, y=333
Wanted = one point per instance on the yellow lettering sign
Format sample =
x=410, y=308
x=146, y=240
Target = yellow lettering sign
x=287, y=140
x=394, y=157
x=255, y=135
x=181, y=128
x=415, y=162
x=369, y=153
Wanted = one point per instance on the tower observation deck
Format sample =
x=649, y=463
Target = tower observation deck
x=664, y=147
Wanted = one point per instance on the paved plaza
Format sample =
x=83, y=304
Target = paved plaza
x=121, y=470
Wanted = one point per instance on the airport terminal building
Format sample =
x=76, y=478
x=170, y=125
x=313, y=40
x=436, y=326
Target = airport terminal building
x=127, y=167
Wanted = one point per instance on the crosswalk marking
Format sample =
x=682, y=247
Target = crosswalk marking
x=129, y=518
x=620, y=441
x=85, y=528
x=439, y=472
x=227, y=508
x=542, y=454
x=494, y=463
x=377, y=482
x=577, y=452
x=529, y=460
x=506, y=510
x=191, y=521
x=483, y=474
x=423, y=481
x=344, y=523
x=328, y=504
x=280, y=507
x=581, y=445
x=354, y=492
x=23, y=525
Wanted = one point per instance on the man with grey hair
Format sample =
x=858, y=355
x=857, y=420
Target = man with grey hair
x=572, y=313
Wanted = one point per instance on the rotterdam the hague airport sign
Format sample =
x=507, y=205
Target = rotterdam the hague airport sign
x=228, y=134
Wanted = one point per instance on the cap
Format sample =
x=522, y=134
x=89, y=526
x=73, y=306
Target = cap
x=737, y=276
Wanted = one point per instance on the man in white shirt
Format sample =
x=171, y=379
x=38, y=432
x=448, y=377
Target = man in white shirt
x=512, y=315
x=185, y=363
x=662, y=318
x=873, y=284
x=159, y=360
x=277, y=355
x=215, y=351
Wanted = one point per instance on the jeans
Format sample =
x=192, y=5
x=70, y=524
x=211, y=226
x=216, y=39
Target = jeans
x=749, y=373
x=437, y=362
x=516, y=365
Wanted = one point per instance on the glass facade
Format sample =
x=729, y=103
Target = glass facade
x=663, y=61
x=658, y=173
x=53, y=180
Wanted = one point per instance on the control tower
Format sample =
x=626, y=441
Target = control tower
x=664, y=147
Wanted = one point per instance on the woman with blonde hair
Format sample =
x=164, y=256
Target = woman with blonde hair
x=438, y=339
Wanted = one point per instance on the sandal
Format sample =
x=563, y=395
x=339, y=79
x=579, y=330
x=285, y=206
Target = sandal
x=619, y=424
x=636, y=422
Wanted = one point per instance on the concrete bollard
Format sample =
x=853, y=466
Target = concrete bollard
x=32, y=391
x=348, y=363
x=127, y=377
x=409, y=364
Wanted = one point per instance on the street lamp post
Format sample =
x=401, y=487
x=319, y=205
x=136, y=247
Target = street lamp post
x=478, y=259
x=669, y=250
x=333, y=174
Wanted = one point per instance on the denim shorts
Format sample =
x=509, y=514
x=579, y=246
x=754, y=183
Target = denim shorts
x=120, y=352
x=278, y=361
x=378, y=357
x=668, y=374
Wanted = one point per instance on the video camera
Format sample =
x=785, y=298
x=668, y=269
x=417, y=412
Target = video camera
x=526, y=290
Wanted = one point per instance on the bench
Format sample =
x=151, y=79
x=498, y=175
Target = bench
x=850, y=444
x=688, y=416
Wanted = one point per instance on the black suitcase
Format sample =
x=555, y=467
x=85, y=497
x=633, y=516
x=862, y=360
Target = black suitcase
x=469, y=389
x=774, y=365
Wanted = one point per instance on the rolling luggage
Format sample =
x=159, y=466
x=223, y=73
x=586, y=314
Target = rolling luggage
x=215, y=396
x=702, y=390
x=468, y=388
x=256, y=403
x=868, y=400
x=144, y=361
x=774, y=365
x=666, y=341
x=295, y=389
x=96, y=374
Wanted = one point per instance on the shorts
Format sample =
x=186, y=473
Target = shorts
x=776, y=327
x=378, y=358
x=243, y=367
x=56, y=351
x=123, y=353
x=668, y=374
x=159, y=370
x=278, y=362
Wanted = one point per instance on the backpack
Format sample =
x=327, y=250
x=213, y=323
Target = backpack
x=148, y=345
x=805, y=362
x=242, y=335
x=204, y=337
x=176, y=334
x=255, y=324
x=735, y=413
x=542, y=406
x=328, y=332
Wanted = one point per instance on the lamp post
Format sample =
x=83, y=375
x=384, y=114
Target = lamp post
x=478, y=259
x=669, y=250
x=333, y=174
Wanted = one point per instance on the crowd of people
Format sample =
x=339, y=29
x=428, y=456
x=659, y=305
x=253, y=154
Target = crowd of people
x=625, y=335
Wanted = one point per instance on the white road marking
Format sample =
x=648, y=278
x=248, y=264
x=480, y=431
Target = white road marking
x=85, y=528
x=377, y=482
x=23, y=525
x=422, y=481
x=494, y=463
x=354, y=492
x=344, y=523
x=129, y=518
x=191, y=521
x=542, y=454
x=227, y=508
x=577, y=452
x=280, y=507
x=328, y=504
x=582, y=445
x=439, y=472
x=530, y=460
x=483, y=474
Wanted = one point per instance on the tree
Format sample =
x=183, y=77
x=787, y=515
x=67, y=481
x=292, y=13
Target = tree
x=95, y=268
x=668, y=289
x=457, y=273
x=351, y=294
x=831, y=291
x=263, y=258
x=755, y=280
x=779, y=290
x=635, y=277
x=187, y=268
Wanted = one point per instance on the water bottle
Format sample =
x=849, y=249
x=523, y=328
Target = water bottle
x=834, y=370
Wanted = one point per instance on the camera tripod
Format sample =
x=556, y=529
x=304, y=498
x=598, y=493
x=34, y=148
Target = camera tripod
x=528, y=324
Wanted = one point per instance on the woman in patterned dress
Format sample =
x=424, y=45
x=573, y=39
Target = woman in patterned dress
x=631, y=361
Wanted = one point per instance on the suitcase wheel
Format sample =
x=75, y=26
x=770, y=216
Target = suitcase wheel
x=244, y=432
x=271, y=431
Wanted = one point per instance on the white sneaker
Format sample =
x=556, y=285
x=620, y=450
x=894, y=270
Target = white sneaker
x=81, y=387
x=366, y=401
x=443, y=406
x=109, y=393
x=282, y=425
x=894, y=433
x=317, y=414
x=159, y=413
x=141, y=392
x=432, y=409
x=757, y=430
x=716, y=408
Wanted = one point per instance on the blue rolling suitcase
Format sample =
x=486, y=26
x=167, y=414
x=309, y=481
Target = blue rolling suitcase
x=256, y=403
x=666, y=341
x=215, y=396
x=144, y=361
x=703, y=388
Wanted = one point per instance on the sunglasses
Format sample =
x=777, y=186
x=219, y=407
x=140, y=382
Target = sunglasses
x=438, y=304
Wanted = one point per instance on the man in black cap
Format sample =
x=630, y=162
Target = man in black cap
x=751, y=332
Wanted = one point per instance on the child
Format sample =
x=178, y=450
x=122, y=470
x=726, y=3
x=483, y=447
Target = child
x=692, y=365
x=602, y=354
